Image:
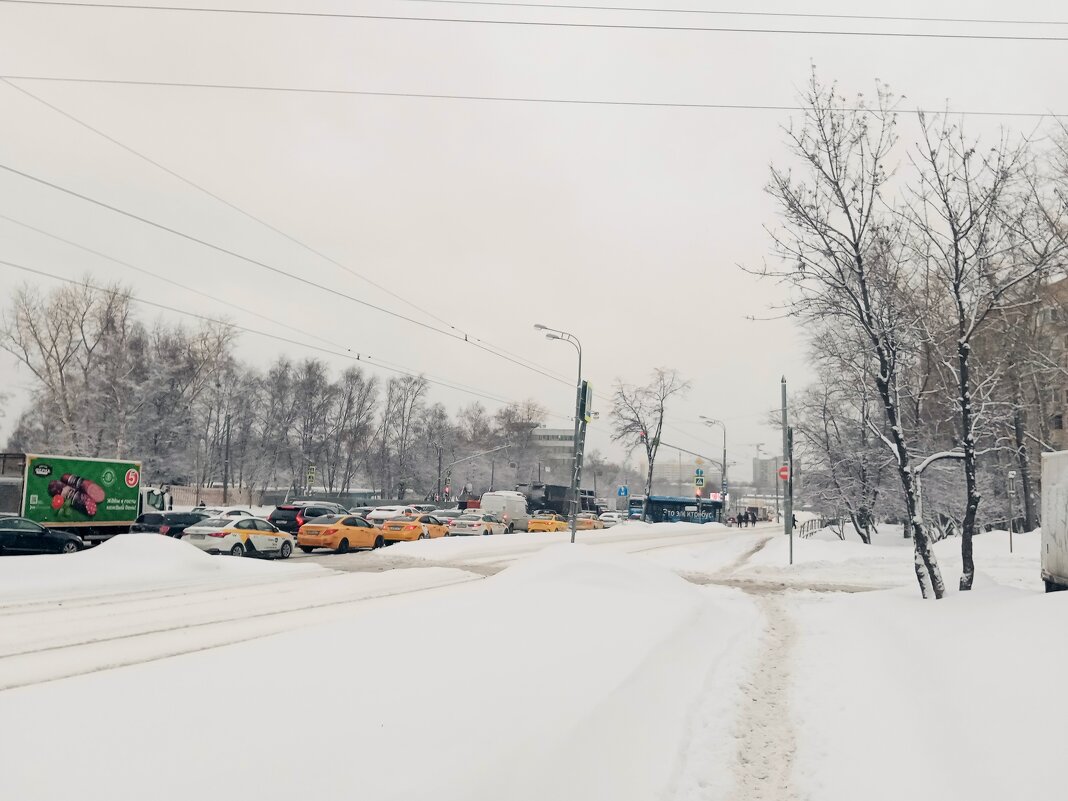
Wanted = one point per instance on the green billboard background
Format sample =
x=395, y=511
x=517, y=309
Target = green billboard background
x=77, y=504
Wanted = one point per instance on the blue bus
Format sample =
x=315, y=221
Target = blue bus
x=667, y=509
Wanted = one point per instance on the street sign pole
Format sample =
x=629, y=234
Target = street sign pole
x=788, y=501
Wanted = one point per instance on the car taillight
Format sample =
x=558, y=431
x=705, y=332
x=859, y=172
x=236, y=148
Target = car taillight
x=217, y=534
x=410, y=527
x=330, y=531
x=164, y=529
x=300, y=520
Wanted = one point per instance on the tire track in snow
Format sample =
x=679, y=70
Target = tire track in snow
x=765, y=732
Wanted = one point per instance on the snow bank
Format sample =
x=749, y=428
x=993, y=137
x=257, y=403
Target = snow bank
x=572, y=675
x=126, y=562
x=887, y=562
x=901, y=698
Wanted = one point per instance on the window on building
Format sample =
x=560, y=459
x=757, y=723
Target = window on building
x=1058, y=422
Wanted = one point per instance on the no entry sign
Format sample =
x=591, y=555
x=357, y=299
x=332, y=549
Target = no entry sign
x=784, y=472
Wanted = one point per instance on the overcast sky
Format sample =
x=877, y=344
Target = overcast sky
x=623, y=225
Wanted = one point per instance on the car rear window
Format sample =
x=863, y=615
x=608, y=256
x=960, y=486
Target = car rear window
x=316, y=511
x=323, y=520
x=222, y=522
x=151, y=520
x=284, y=513
x=469, y=517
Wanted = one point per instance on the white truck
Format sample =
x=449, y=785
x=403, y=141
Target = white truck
x=511, y=507
x=1055, y=520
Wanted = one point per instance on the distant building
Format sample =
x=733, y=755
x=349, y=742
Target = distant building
x=766, y=472
x=556, y=449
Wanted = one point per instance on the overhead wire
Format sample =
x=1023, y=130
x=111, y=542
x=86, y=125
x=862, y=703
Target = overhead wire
x=360, y=357
x=207, y=295
x=264, y=265
x=476, y=341
x=737, y=13
x=502, y=98
x=538, y=23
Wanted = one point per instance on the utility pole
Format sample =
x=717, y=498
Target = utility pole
x=1011, y=492
x=440, y=451
x=493, y=468
x=787, y=494
x=226, y=462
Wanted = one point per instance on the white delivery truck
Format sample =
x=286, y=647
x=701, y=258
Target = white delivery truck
x=511, y=507
x=1055, y=520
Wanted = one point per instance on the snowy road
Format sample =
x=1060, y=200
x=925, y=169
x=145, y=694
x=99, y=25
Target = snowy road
x=518, y=667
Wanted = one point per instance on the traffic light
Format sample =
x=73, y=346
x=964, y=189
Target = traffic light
x=586, y=401
x=642, y=436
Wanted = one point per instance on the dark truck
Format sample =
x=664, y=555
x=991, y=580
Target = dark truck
x=95, y=498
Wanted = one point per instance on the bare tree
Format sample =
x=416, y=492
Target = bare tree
x=844, y=256
x=638, y=414
x=978, y=241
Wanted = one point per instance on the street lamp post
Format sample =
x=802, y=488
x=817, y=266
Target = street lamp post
x=576, y=470
x=710, y=422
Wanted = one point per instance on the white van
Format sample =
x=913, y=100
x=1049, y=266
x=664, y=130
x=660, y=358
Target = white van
x=511, y=507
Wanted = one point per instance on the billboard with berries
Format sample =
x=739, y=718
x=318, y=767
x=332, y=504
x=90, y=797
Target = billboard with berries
x=66, y=491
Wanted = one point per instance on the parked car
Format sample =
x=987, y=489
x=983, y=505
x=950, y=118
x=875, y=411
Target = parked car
x=587, y=521
x=21, y=536
x=611, y=519
x=250, y=535
x=419, y=527
x=339, y=533
x=223, y=511
x=447, y=514
x=511, y=507
x=477, y=522
x=426, y=508
x=171, y=524
x=547, y=521
x=289, y=517
x=362, y=511
x=383, y=513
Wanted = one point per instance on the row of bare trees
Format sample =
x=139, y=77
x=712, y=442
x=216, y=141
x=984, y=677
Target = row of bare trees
x=924, y=273
x=108, y=384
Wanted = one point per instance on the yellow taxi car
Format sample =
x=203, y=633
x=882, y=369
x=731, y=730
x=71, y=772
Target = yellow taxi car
x=587, y=521
x=547, y=521
x=420, y=527
x=339, y=533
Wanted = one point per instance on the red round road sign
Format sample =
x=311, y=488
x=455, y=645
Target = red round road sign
x=784, y=472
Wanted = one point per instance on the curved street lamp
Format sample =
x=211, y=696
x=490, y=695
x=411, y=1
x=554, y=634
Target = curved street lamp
x=564, y=336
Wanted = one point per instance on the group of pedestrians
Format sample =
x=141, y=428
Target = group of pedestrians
x=743, y=519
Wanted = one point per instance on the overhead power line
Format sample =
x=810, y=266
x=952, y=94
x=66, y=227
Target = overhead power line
x=231, y=305
x=497, y=98
x=542, y=23
x=271, y=268
x=736, y=13
x=359, y=357
x=477, y=341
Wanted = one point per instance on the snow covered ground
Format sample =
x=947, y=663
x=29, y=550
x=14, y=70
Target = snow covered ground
x=672, y=661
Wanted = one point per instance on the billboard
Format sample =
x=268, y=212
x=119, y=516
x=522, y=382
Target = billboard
x=67, y=491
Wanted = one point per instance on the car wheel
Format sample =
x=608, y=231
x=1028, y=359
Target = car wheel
x=342, y=547
x=287, y=550
x=237, y=550
x=425, y=535
x=379, y=542
x=486, y=533
x=306, y=548
x=69, y=547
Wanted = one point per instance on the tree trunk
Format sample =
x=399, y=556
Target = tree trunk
x=927, y=573
x=970, y=481
x=1025, y=466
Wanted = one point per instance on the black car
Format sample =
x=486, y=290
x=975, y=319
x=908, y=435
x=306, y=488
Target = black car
x=289, y=517
x=21, y=536
x=173, y=524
